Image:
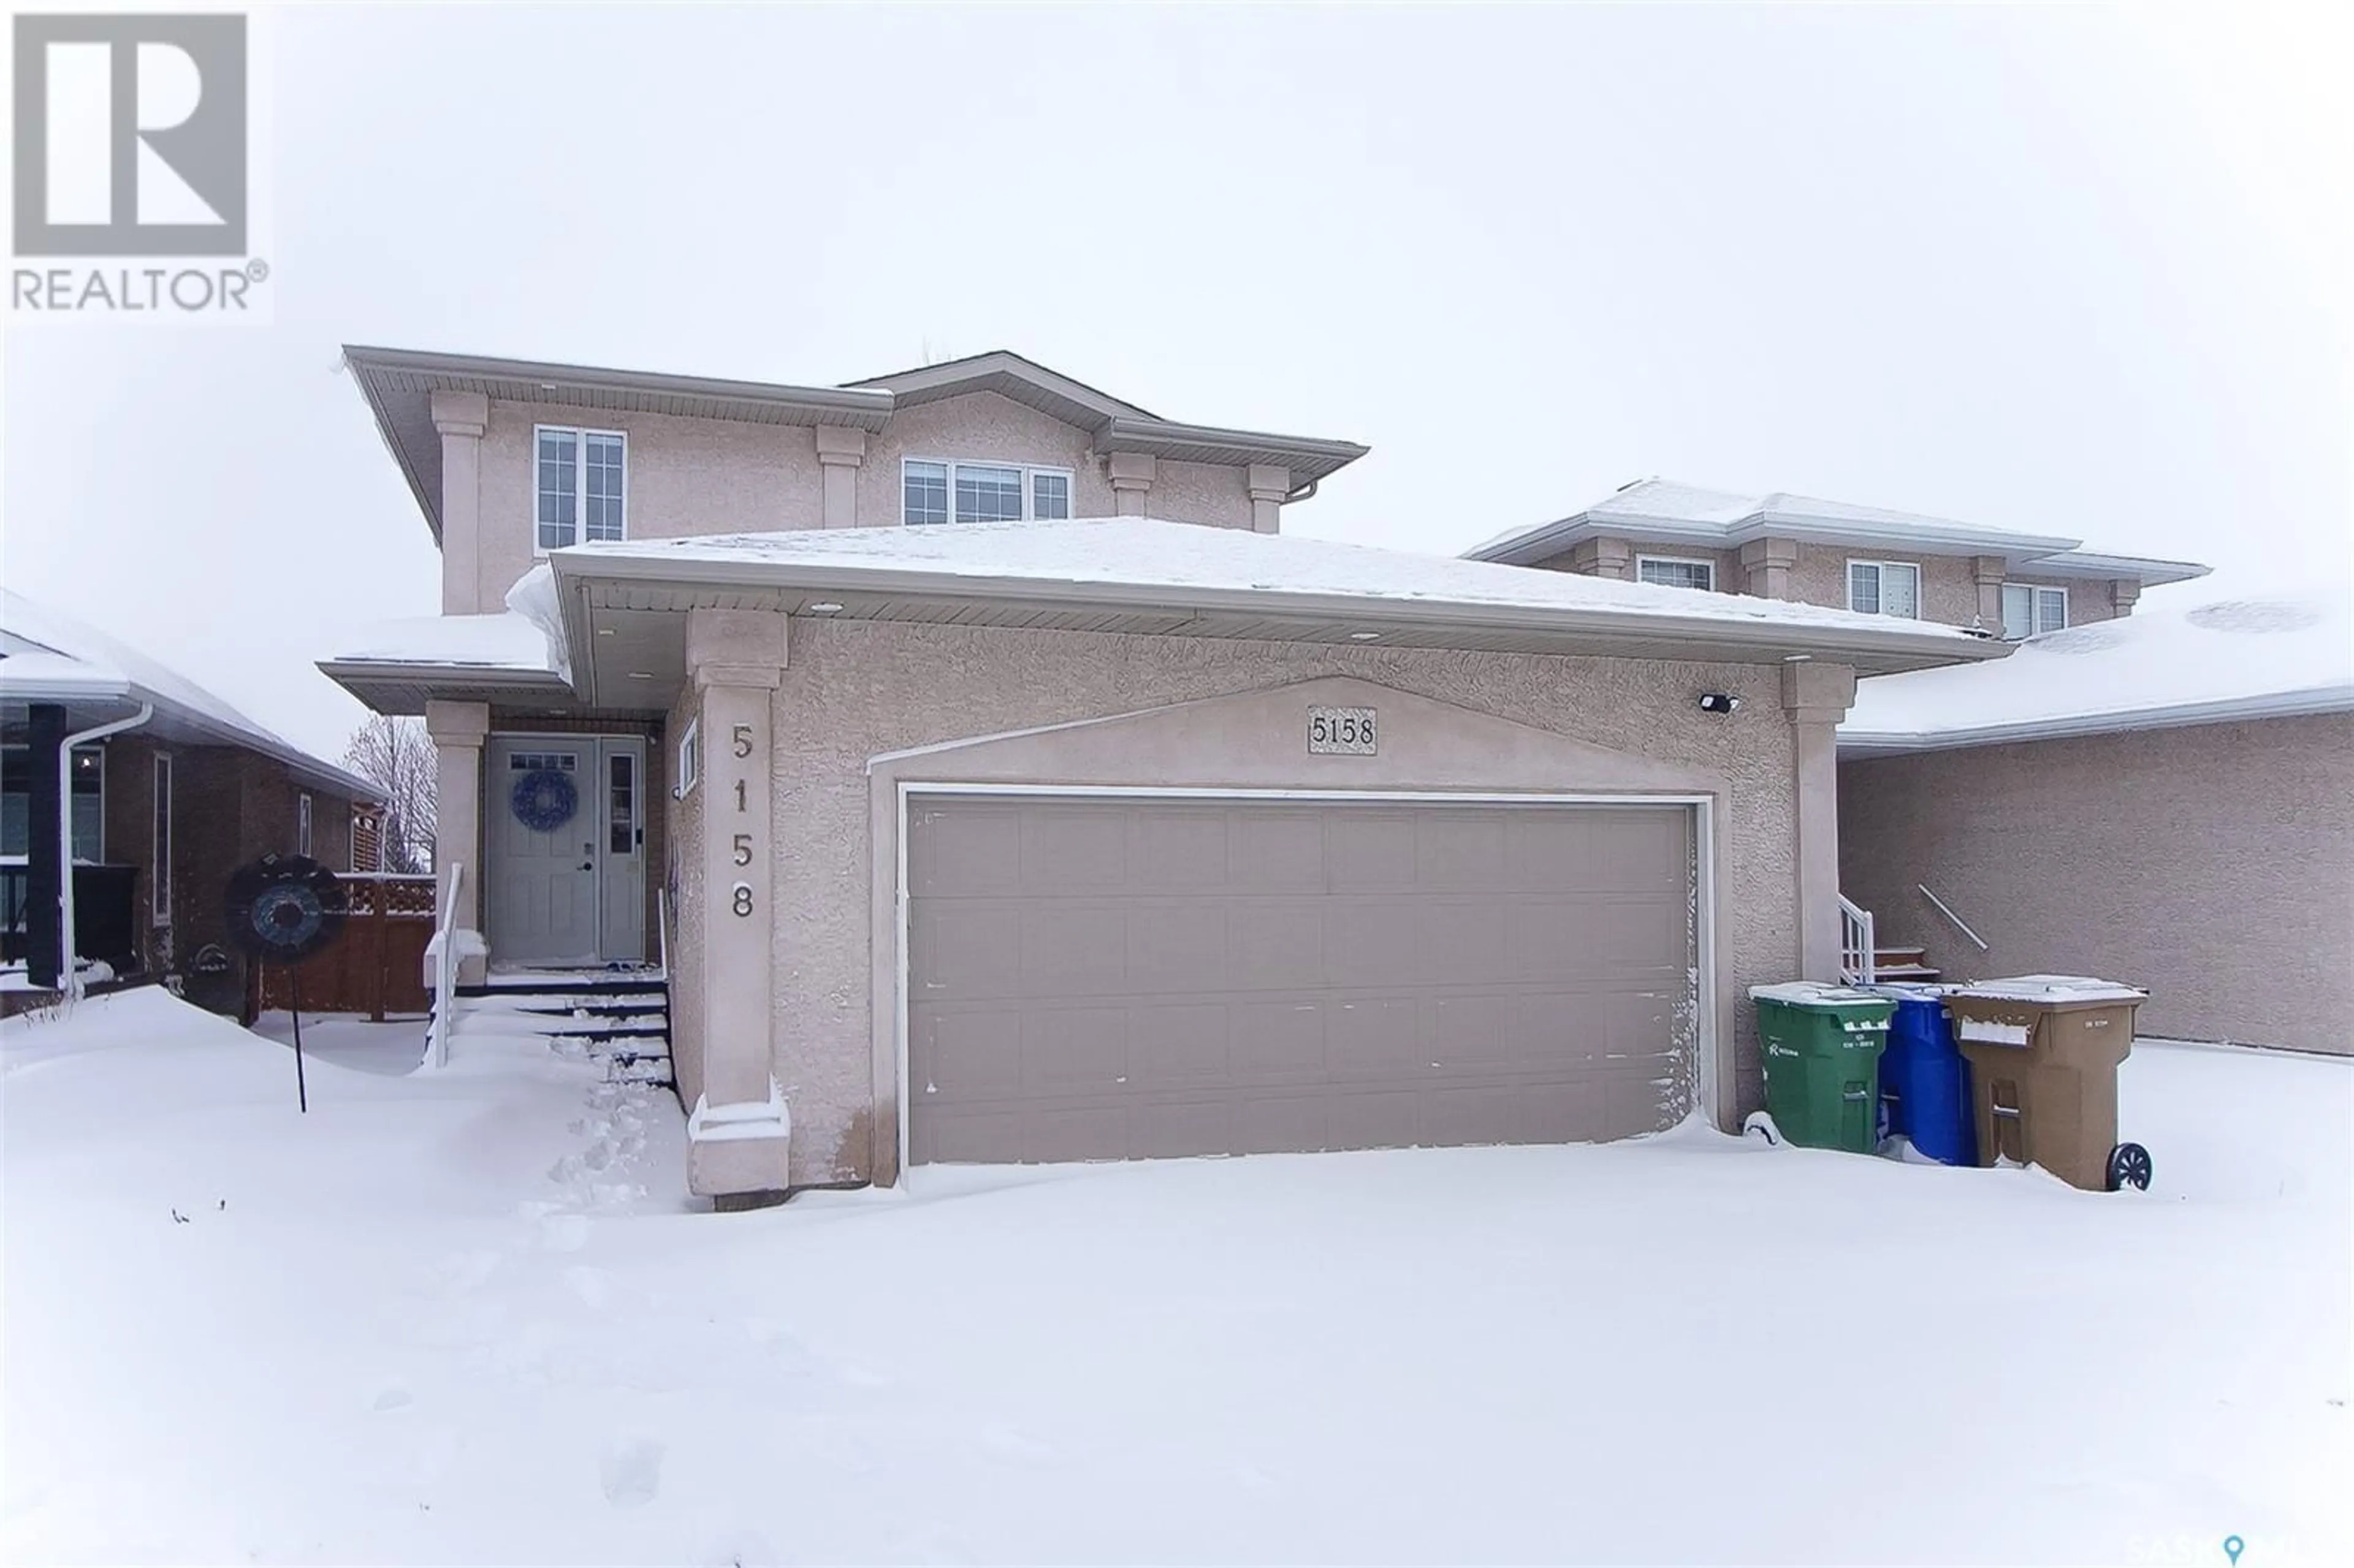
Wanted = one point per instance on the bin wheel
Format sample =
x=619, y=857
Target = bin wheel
x=1759, y=1125
x=2129, y=1167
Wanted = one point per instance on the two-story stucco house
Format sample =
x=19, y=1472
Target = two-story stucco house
x=2169, y=802
x=991, y=778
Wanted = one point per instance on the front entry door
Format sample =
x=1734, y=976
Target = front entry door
x=565, y=846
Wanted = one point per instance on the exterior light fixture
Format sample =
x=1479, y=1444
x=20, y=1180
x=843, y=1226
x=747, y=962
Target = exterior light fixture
x=823, y=607
x=1364, y=636
x=1719, y=703
x=642, y=675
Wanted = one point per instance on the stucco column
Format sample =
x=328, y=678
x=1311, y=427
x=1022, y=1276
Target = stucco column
x=2124, y=594
x=462, y=417
x=458, y=730
x=1131, y=475
x=1604, y=559
x=1270, y=483
x=839, y=453
x=1817, y=696
x=739, y=1133
x=1988, y=571
x=1767, y=566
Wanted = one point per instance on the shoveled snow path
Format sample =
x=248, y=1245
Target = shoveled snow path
x=438, y=1321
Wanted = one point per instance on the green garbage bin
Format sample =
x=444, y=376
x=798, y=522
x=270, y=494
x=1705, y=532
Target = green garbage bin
x=1821, y=1045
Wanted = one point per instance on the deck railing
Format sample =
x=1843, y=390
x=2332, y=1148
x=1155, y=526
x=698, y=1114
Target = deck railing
x=445, y=973
x=1859, y=946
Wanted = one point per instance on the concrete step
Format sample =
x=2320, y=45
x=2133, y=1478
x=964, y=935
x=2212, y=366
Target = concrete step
x=1918, y=974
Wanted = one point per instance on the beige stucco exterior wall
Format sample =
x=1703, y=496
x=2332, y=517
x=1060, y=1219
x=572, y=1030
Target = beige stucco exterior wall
x=2213, y=866
x=684, y=477
x=688, y=477
x=852, y=692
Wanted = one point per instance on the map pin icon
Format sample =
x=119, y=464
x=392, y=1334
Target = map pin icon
x=2232, y=1547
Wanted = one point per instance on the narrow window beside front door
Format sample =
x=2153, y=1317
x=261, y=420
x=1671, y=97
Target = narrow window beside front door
x=622, y=803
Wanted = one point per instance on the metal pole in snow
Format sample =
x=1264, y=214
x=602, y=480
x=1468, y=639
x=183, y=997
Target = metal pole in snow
x=302, y=1089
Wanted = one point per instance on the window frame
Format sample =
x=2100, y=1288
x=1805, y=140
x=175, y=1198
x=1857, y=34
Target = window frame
x=690, y=760
x=302, y=822
x=1706, y=566
x=579, y=434
x=1028, y=471
x=2036, y=601
x=159, y=876
x=98, y=822
x=1880, y=591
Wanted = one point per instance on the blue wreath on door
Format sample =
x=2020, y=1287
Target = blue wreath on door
x=544, y=800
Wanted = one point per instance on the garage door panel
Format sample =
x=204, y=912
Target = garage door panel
x=971, y=847
x=1176, y=851
x=1275, y=944
x=1456, y=850
x=1075, y=1051
x=1370, y=848
x=1081, y=851
x=1075, y=947
x=1277, y=1039
x=967, y=950
x=1178, y=1044
x=1276, y=850
x=1149, y=978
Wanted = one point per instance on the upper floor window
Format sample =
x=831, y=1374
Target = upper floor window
x=582, y=478
x=2029, y=611
x=1885, y=587
x=938, y=492
x=303, y=824
x=1674, y=571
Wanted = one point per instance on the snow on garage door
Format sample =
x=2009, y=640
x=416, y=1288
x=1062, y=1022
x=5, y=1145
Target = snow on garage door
x=1109, y=979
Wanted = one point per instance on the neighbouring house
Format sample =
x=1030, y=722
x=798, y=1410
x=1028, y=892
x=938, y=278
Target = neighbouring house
x=168, y=790
x=1863, y=558
x=955, y=824
x=2164, y=800
x=2168, y=800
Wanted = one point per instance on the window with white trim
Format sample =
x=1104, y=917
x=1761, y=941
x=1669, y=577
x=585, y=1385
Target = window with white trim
x=1885, y=587
x=1675, y=571
x=690, y=757
x=582, y=479
x=2031, y=612
x=86, y=809
x=303, y=824
x=159, y=878
x=937, y=491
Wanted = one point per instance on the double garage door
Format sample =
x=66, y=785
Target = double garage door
x=1127, y=978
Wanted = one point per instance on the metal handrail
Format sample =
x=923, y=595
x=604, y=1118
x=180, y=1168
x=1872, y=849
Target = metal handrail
x=1859, y=944
x=1959, y=923
x=445, y=973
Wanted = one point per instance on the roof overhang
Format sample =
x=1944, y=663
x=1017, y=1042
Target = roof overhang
x=623, y=616
x=1548, y=540
x=2330, y=699
x=1010, y=375
x=404, y=687
x=1308, y=458
x=399, y=384
x=2089, y=564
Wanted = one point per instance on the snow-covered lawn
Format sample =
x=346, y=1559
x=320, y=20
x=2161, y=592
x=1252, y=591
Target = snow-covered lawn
x=471, y=1318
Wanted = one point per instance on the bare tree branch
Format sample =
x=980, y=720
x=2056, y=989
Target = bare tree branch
x=397, y=756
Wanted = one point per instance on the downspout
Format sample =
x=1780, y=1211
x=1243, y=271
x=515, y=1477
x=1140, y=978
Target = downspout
x=71, y=979
x=1305, y=492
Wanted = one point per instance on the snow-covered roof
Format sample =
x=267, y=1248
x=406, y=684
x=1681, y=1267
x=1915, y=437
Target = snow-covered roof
x=46, y=656
x=1662, y=510
x=505, y=642
x=2229, y=659
x=1136, y=562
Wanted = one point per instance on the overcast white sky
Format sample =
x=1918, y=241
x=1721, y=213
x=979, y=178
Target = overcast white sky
x=2079, y=270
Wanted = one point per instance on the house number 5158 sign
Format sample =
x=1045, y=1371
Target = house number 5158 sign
x=739, y=897
x=1345, y=732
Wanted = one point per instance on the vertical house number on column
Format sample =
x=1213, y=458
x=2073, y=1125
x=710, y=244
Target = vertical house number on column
x=739, y=897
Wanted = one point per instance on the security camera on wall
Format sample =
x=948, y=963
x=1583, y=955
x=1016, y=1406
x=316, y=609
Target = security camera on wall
x=1718, y=702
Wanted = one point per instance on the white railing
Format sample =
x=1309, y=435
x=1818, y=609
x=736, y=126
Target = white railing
x=1858, y=948
x=662, y=929
x=1959, y=923
x=445, y=973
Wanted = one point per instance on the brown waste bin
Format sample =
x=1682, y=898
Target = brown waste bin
x=2043, y=1053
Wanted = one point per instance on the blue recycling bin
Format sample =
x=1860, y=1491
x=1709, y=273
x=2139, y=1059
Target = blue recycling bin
x=1924, y=1084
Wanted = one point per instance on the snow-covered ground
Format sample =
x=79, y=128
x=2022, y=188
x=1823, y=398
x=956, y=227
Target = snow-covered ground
x=469, y=1316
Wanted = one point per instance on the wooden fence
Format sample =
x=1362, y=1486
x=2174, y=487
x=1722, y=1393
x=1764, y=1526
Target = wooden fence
x=378, y=965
